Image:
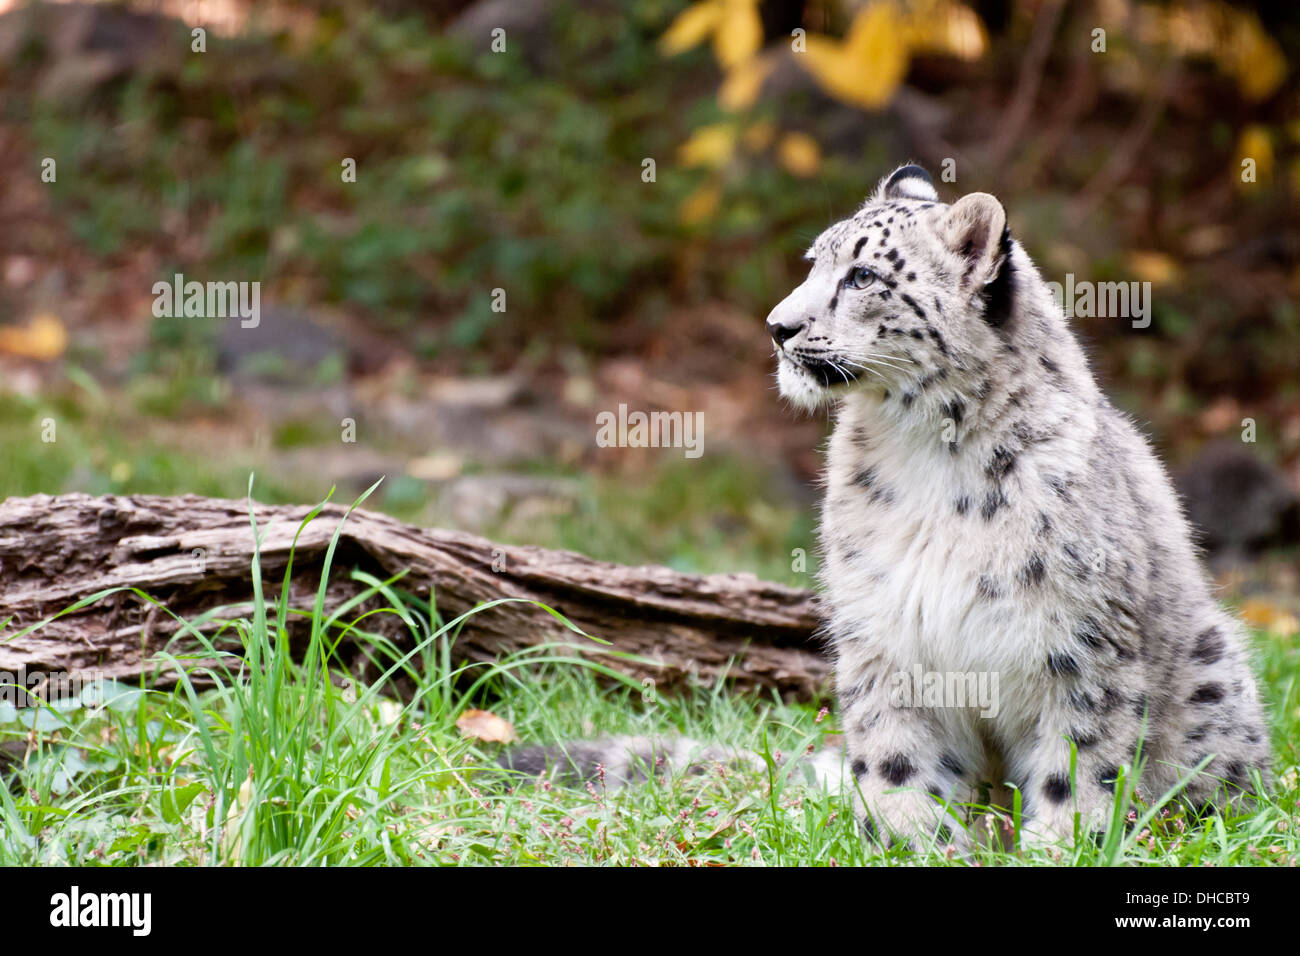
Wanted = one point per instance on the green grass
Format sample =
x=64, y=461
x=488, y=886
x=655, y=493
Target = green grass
x=721, y=513
x=282, y=761
x=716, y=515
x=71, y=440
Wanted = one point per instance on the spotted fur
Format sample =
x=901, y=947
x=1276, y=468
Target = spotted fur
x=987, y=510
x=1029, y=532
x=623, y=760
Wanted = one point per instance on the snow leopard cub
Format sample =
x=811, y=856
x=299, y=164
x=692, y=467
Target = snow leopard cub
x=988, y=511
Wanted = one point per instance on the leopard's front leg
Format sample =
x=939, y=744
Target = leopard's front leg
x=1102, y=716
x=906, y=763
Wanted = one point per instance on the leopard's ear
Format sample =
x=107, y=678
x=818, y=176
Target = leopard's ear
x=976, y=230
x=907, y=182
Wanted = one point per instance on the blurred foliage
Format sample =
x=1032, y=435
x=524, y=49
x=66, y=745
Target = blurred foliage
x=863, y=70
x=1231, y=37
x=474, y=172
x=525, y=170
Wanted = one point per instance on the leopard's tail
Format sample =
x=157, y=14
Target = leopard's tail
x=623, y=760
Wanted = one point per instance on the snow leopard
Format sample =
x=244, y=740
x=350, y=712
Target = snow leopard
x=988, y=511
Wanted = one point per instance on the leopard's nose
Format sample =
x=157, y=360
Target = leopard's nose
x=782, y=332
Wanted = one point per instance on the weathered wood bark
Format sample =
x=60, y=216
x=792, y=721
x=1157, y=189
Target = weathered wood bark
x=193, y=554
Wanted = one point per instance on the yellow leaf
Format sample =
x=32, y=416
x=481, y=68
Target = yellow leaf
x=739, y=34
x=872, y=29
x=759, y=135
x=435, y=467
x=946, y=27
x=1254, y=57
x=390, y=712
x=43, y=338
x=868, y=66
x=690, y=27
x=743, y=83
x=709, y=145
x=799, y=154
x=485, y=725
x=1234, y=38
x=1148, y=265
x=1268, y=616
x=700, y=205
x=1255, y=143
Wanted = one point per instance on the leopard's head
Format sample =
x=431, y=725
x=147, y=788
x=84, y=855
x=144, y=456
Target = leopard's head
x=908, y=290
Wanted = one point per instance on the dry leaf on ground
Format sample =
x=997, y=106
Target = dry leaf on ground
x=485, y=725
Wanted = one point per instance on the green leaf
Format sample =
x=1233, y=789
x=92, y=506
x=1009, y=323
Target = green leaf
x=176, y=802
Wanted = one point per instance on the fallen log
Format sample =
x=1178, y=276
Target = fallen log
x=194, y=554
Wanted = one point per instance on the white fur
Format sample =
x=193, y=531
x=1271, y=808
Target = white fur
x=1092, y=593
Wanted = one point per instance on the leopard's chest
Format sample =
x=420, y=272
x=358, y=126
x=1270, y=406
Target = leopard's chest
x=930, y=566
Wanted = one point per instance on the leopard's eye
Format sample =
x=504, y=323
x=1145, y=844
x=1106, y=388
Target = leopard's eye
x=859, y=278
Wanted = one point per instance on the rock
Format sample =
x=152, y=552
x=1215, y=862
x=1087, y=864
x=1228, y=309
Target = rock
x=1239, y=504
x=540, y=31
x=352, y=468
x=482, y=501
x=526, y=23
x=491, y=421
x=81, y=46
x=286, y=347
